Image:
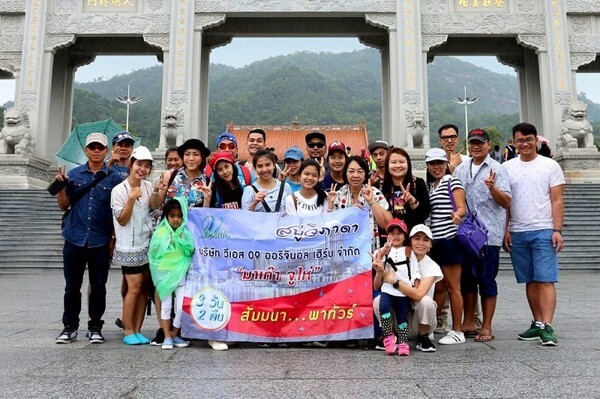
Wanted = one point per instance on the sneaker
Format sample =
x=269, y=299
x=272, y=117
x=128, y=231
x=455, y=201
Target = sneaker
x=67, y=336
x=452, y=338
x=218, y=345
x=547, y=336
x=167, y=344
x=180, y=342
x=424, y=344
x=532, y=334
x=390, y=344
x=95, y=336
x=131, y=339
x=119, y=323
x=159, y=338
x=403, y=349
x=143, y=339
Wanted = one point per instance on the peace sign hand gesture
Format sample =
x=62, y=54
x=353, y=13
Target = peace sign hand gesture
x=368, y=195
x=284, y=173
x=406, y=195
x=490, y=181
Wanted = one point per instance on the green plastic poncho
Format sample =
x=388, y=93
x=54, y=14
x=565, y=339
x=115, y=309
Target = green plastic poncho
x=170, y=253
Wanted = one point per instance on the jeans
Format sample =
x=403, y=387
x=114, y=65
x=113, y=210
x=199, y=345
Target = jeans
x=75, y=259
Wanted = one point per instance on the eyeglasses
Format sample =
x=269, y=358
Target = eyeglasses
x=449, y=139
x=528, y=140
x=318, y=144
x=227, y=146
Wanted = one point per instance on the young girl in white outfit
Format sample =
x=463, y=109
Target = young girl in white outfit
x=130, y=203
x=310, y=200
x=397, y=257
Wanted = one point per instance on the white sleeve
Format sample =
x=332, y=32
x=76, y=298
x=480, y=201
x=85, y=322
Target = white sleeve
x=290, y=207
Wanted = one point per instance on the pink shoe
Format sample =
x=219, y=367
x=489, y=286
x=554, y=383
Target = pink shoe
x=403, y=349
x=390, y=344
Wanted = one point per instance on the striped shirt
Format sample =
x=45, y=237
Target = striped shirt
x=440, y=220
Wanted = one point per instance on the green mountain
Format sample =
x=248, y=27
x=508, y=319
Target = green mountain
x=314, y=88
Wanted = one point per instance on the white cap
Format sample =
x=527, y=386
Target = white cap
x=96, y=138
x=436, y=154
x=142, y=154
x=421, y=228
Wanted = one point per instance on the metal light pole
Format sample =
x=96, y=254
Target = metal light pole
x=466, y=101
x=129, y=100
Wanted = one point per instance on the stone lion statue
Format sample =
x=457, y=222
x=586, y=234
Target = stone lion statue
x=15, y=136
x=172, y=132
x=417, y=135
x=577, y=131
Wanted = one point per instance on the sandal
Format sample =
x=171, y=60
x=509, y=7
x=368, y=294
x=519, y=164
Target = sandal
x=484, y=338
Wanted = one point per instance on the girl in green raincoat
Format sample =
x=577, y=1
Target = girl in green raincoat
x=170, y=254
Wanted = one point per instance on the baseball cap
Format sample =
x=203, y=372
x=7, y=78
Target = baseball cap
x=435, y=154
x=315, y=135
x=294, y=153
x=336, y=146
x=220, y=156
x=142, y=154
x=122, y=136
x=378, y=144
x=396, y=223
x=226, y=136
x=479, y=135
x=421, y=228
x=96, y=138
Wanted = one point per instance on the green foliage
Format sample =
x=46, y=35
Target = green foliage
x=314, y=88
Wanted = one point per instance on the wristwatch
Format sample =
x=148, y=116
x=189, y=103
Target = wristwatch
x=396, y=285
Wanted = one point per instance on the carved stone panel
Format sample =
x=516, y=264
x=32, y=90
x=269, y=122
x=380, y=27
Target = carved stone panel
x=65, y=6
x=579, y=24
x=435, y=6
x=482, y=24
x=11, y=43
x=10, y=62
x=13, y=6
x=55, y=42
x=108, y=23
x=580, y=59
x=589, y=6
x=584, y=43
x=11, y=24
x=295, y=5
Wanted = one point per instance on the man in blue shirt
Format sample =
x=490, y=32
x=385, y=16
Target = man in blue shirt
x=88, y=237
x=122, y=147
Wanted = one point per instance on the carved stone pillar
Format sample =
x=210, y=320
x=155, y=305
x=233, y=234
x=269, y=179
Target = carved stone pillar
x=33, y=91
x=201, y=69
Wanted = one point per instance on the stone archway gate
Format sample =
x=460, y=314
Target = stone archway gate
x=560, y=35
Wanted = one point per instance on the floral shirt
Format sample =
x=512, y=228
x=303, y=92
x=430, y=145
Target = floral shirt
x=183, y=186
x=343, y=199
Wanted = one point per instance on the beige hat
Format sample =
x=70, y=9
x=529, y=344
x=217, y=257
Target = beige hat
x=142, y=154
x=96, y=138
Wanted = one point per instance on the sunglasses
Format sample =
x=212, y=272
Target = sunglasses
x=96, y=146
x=319, y=144
x=227, y=146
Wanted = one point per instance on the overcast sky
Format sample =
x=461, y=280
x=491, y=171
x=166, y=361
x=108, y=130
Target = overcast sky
x=244, y=51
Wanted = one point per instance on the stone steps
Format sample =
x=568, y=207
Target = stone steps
x=30, y=234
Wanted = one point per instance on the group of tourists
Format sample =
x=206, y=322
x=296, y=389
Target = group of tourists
x=114, y=211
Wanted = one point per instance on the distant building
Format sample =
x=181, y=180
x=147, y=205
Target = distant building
x=283, y=137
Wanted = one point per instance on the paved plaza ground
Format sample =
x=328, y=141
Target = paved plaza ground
x=34, y=366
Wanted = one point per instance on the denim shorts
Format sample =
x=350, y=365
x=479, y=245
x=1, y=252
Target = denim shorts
x=534, y=257
x=481, y=272
x=447, y=251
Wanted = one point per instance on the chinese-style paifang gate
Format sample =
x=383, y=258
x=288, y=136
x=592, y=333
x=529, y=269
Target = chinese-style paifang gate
x=42, y=42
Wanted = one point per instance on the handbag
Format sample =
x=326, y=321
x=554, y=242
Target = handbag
x=472, y=233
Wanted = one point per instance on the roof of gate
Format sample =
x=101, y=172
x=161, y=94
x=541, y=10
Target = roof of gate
x=282, y=137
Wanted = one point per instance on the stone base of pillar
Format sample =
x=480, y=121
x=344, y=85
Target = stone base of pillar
x=417, y=159
x=580, y=165
x=24, y=172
